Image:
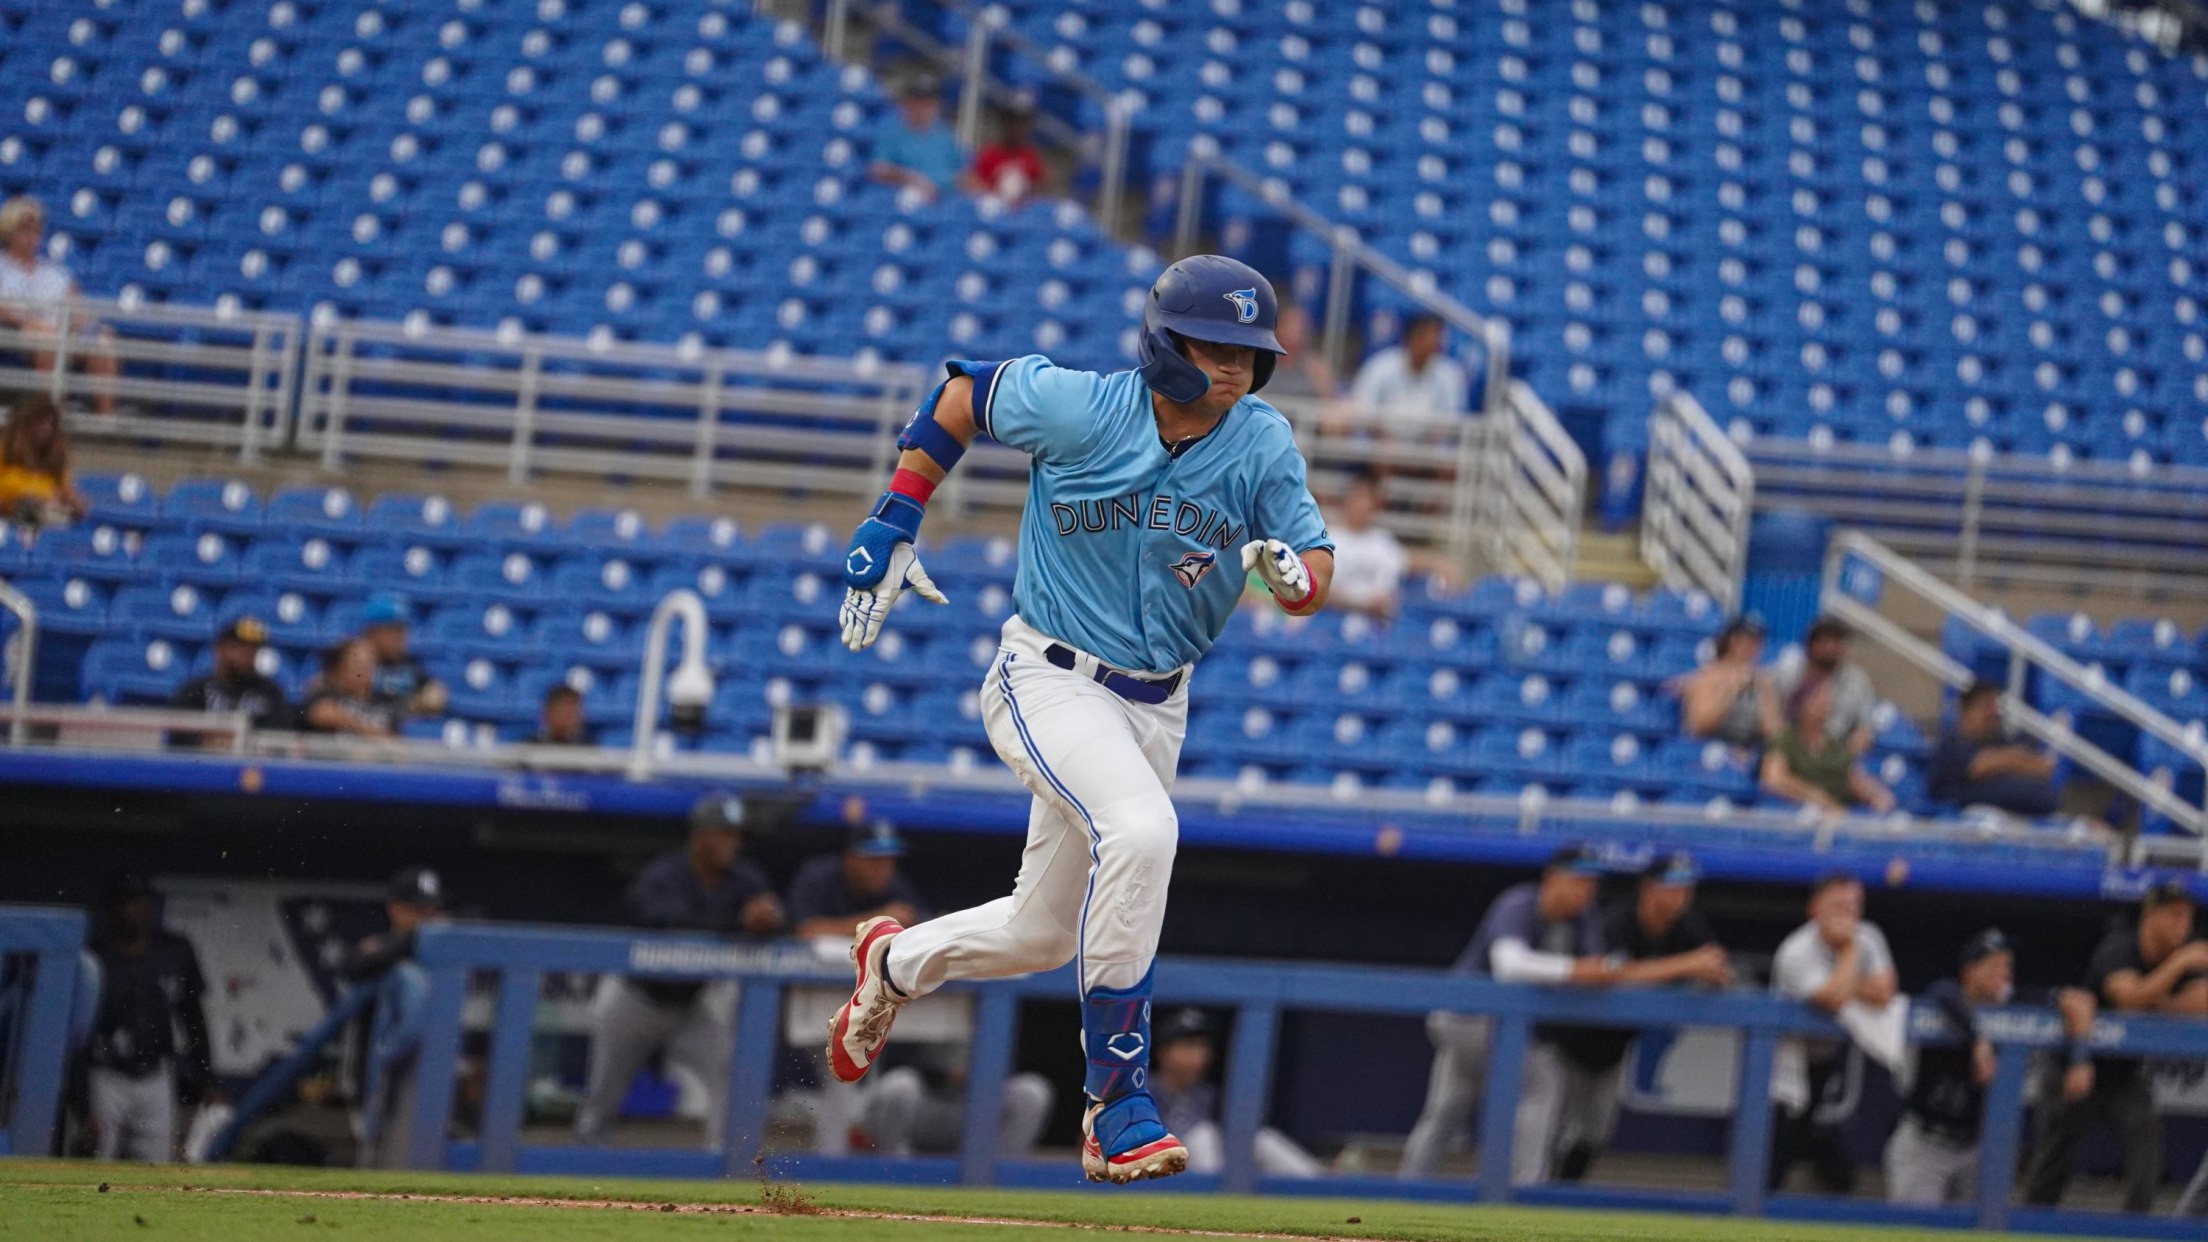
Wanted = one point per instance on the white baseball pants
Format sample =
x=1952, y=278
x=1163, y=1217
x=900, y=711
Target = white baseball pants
x=1100, y=835
x=136, y=1117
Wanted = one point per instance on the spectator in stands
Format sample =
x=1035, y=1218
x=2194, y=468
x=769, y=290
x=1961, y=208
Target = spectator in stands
x=1825, y=659
x=831, y=895
x=1305, y=372
x=707, y=886
x=35, y=488
x=1835, y=960
x=1180, y=1078
x=1011, y=167
x=1732, y=698
x=343, y=698
x=2150, y=965
x=1659, y=924
x=1369, y=561
x=1546, y=931
x=918, y=151
x=35, y=290
x=149, y=1047
x=1414, y=379
x=1977, y=762
x=560, y=721
x=404, y=685
x=415, y=899
x=1814, y=766
x=1932, y=1158
x=236, y=683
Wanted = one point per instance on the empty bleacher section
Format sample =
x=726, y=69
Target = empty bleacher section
x=627, y=171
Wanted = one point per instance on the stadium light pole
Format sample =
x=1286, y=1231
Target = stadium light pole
x=690, y=688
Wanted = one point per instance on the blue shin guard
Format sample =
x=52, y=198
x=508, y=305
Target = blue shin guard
x=1115, y=1029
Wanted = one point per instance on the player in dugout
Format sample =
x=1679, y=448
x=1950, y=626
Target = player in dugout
x=706, y=886
x=1932, y=1158
x=1543, y=931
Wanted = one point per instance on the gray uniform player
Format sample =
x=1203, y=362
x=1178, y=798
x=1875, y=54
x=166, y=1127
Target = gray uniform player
x=703, y=887
x=1548, y=931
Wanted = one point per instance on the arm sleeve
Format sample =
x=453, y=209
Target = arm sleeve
x=1877, y=957
x=1285, y=509
x=1797, y=971
x=1513, y=961
x=1045, y=411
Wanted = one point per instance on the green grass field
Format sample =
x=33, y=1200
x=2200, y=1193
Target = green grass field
x=53, y=1201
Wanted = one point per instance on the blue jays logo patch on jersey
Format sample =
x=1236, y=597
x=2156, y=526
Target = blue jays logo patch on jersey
x=1191, y=568
x=1245, y=304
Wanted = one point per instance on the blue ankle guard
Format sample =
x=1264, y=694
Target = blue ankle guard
x=1115, y=1029
x=1129, y=1122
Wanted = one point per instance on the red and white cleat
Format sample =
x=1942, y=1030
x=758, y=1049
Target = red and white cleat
x=1156, y=1153
x=859, y=1029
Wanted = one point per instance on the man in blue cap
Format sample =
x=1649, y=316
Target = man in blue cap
x=833, y=894
x=403, y=683
x=1543, y=931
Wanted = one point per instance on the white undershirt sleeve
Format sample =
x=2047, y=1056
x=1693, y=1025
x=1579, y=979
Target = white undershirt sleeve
x=1514, y=961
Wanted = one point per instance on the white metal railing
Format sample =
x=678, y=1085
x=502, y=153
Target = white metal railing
x=2025, y=651
x=21, y=655
x=1350, y=255
x=2135, y=525
x=543, y=404
x=1532, y=490
x=1697, y=501
x=196, y=374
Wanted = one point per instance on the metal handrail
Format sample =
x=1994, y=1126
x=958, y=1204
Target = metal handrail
x=2015, y=516
x=1350, y=252
x=262, y=353
x=26, y=657
x=1699, y=497
x=2024, y=648
x=1535, y=487
x=537, y=402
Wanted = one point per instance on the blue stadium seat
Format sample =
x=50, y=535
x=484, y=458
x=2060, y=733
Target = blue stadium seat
x=225, y=506
x=329, y=512
x=312, y=566
x=121, y=500
x=102, y=553
x=207, y=559
x=425, y=521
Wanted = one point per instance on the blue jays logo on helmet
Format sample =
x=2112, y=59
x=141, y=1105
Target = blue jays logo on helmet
x=1190, y=569
x=1245, y=304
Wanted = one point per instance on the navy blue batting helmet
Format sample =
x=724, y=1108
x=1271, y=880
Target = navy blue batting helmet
x=1206, y=297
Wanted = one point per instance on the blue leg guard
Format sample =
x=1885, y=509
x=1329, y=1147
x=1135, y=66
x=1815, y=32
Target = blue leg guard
x=1115, y=1029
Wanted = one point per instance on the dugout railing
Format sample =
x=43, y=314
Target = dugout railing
x=40, y=952
x=515, y=960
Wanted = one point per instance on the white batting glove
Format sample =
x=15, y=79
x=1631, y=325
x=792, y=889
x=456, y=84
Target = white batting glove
x=865, y=608
x=1285, y=574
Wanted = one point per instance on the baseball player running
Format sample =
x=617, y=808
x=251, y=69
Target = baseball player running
x=1151, y=496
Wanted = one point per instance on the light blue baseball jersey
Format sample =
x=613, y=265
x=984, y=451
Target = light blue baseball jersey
x=1127, y=551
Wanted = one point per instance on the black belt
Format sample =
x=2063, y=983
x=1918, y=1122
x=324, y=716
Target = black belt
x=1126, y=685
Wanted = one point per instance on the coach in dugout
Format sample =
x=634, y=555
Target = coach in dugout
x=1659, y=924
x=2151, y=965
x=1545, y=931
x=704, y=887
x=1932, y=1158
x=1835, y=960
